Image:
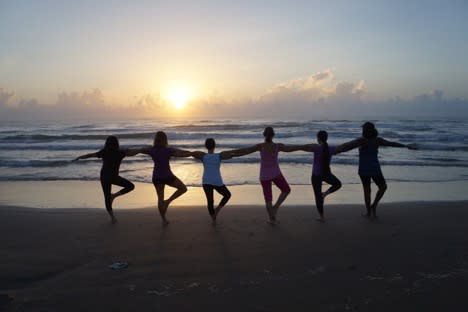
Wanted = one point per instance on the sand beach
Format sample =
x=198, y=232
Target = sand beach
x=415, y=256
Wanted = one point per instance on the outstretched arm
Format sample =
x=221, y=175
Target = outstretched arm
x=143, y=150
x=349, y=145
x=240, y=152
x=227, y=154
x=86, y=156
x=383, y=142
x=293, y=148
x=289, y=148
x=198, y=155
x=132, y=151
x=181, y=153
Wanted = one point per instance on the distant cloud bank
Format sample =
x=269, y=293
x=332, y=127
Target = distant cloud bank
x=317, y=96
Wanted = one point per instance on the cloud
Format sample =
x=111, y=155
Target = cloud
x=5, y=97
x=317, y=96
x=91, y=104
x=315, y=84
x=426, y=105
x=78, y=101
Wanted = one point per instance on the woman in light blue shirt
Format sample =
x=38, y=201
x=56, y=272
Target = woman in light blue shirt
x=212, y=180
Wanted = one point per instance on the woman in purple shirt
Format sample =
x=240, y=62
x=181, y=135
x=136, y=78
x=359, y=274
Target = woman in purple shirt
x=162, y=174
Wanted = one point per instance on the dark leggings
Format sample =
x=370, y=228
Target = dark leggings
x=223, y=190
x=317, y=185
x=107, y=187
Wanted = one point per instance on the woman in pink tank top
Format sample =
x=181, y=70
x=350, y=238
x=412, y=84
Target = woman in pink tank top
x=270, y=171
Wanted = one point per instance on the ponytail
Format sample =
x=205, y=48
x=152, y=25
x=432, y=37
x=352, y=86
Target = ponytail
x=268, y=133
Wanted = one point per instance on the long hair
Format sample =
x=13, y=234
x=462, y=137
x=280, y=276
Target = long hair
x=268, y=133
x=160, y=139
x=112, y=144
x=369, y=131
x=322, y=136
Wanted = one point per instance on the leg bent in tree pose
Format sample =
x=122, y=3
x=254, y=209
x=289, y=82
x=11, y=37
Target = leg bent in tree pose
x=223, y=190
x=335, y=185
x=163, y=204
x=162, y=174
x=283, y=185
x=112, y=156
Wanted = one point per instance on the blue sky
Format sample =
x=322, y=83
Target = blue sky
x=231, y=52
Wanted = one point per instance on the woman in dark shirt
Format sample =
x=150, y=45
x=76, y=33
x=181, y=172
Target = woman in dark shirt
x=112, y=156
x=162, y=174
x=369, y=165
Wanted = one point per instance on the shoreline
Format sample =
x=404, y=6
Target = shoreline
x=247, y=206
x=88, y=194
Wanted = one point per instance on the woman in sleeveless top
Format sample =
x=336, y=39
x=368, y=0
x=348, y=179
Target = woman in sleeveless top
x=270, y=171
x=369, y=165
x=112, y=156
x=162, y=174
x=321, y=171
x=212, y=180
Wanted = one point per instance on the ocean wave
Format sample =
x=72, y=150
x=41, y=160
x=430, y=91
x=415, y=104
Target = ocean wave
x=239, y=126
x=297, y=160
x=34, y=163
x=71, y=137
x=427, y=141
x=234, y=182
x=192, y=142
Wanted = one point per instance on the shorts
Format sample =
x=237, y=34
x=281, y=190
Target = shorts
x=279, y=181
x=164, y=180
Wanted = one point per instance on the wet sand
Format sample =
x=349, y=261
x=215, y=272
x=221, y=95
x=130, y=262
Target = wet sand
x=88, y=194
x=414, y=257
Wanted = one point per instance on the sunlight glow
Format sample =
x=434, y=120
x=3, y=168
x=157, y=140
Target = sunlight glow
x=178, y=96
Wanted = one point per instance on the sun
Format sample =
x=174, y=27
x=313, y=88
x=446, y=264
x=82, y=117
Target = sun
x=179, y=97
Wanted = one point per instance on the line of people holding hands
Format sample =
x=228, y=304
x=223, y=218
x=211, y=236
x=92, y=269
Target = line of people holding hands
x=270, y=173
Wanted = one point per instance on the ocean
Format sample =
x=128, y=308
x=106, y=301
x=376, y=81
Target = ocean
x=42, y=151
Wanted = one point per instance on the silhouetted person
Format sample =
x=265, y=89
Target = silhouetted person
x=321, y=171
x=270, y=171
x=212, y=180
x=112, y=156
x=369, y=165
x=162, y=174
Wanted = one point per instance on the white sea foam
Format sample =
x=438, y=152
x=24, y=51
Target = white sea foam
x=42, y=151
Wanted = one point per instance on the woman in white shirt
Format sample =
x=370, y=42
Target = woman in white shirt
x=212, y=180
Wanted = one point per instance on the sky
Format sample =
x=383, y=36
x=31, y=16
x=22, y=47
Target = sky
x=278, y=59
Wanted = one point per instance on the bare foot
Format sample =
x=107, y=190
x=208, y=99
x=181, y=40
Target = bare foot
x=366, y=215
x=113, y=220
x=321, y=220
x=165, y=222
x=272, y=221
